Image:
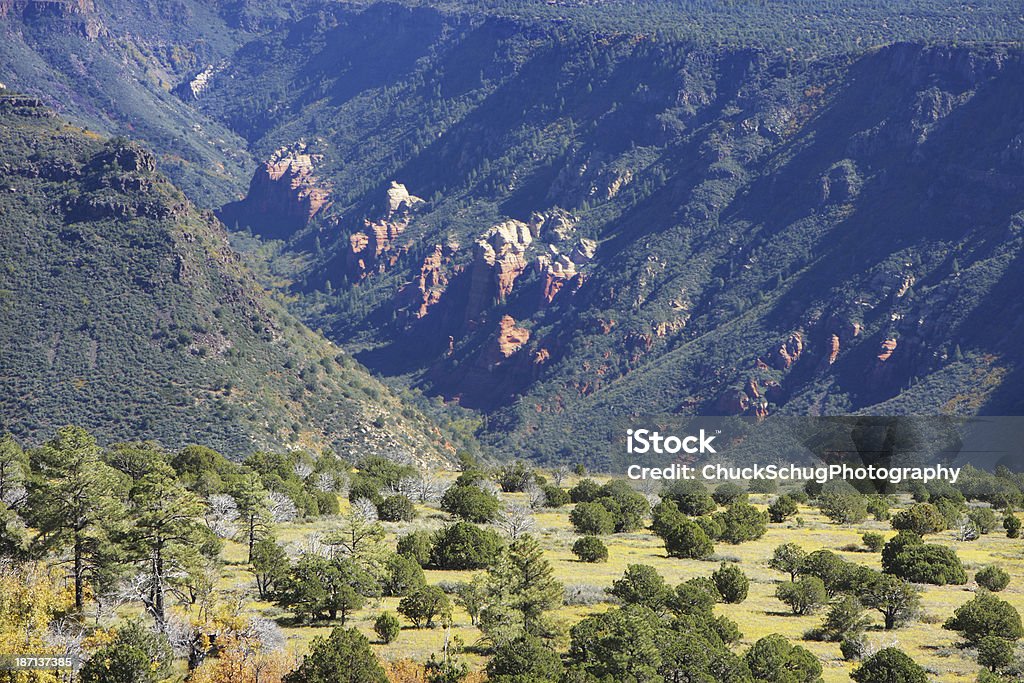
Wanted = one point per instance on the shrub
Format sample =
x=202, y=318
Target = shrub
x=628, y=506
x=728, y=493
x=984, y=519
x=688, y=540
x=928, y=563
x=878, y=507
x=343, y=650
x=523, y=660
x=585, y=491
x=365, y=487
x=920, y=518
x=742, y=522
x=788, y=558
x=641, y=584
x=711, y=527
x=592, y=519
x=889, y=666
x=590, y=549
x=464, y=546
x=985, y=615
x=782, y=509
x=425, y=604
x=416, y=546
x=763, y=486
x=396, y=508
x=1012, y=525
x=135, y=655
x=471, y=503
x=799, y=496
x=513, y=477
x=995, y=653
x=854, y=647
x=835, y=572
x=665, y=516
x=845, y=620
x=992, y=578
x=387, y=627
x=402, y=575
x=773, y=658
x=695, y=597
x=555, y=496
x=873, y=541
x=803, y=596
x=732, y=583
x=690, y=497
x=843, y=507
x=897, y=600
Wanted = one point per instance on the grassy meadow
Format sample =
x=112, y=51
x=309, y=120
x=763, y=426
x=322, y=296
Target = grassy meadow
x=935, y=649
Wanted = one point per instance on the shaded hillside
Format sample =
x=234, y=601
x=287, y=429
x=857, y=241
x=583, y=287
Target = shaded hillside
x=125, y=310
x=616, y=227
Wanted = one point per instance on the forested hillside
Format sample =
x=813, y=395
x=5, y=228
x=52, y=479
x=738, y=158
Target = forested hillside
x=618, y=226
x=569, y=217
x=124, y=308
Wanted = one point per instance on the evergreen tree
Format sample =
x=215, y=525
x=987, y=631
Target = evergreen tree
x=75, y=503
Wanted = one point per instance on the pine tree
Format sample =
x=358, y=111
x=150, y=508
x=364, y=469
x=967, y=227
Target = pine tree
x=254, y=509
x=165, y=539
x=75, y=505
x=522, y=586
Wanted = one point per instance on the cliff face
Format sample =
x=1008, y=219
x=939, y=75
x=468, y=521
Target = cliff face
x=284, y=195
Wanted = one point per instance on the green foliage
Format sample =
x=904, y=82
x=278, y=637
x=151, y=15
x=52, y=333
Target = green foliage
x=1012, y=525
x=878, y=507
x=521, y=588
x=417, y=546
x=889, y=665
x=921, y=519
x=782, y=509
x=843, y=507
x=641, y=584
x=590, y=549
x=728, y=493
x=555, y=496
x=425, y=604
x=731, y=582
x=803, y=596
x=464, y=546
x=845, y=620
x=397, y=508
x=992, y=578
x=402, y=575
x=984, y=519
x=270, y=566
x=318, y=588
x=690, y=497
x=773, y=658
x=387, y=627
x=688, y=540
x=592, y=519
x=897, y=600
x=995, y=652
x=873, y=541
x=834, y=572
x=471, y=503
x=788, y=558
x=985, y=615
x=908, y=557
x=344, y=650
x=135, y=655
x=585, y=491
x=742, y=522
x=514, y=476
x=524, y=660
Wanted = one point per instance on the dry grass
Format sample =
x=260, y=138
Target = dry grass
x=759, y=615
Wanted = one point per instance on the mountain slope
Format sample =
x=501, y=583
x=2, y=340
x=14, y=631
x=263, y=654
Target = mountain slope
x=619, y=228
x=125, y=311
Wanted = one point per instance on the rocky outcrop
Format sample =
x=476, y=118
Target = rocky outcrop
x=416, y=298
x=284, y=195
x=80, y=13
x=498, y=261
x=788, y=352
x=375, y=248
x=191, y=89
x=506, y=342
